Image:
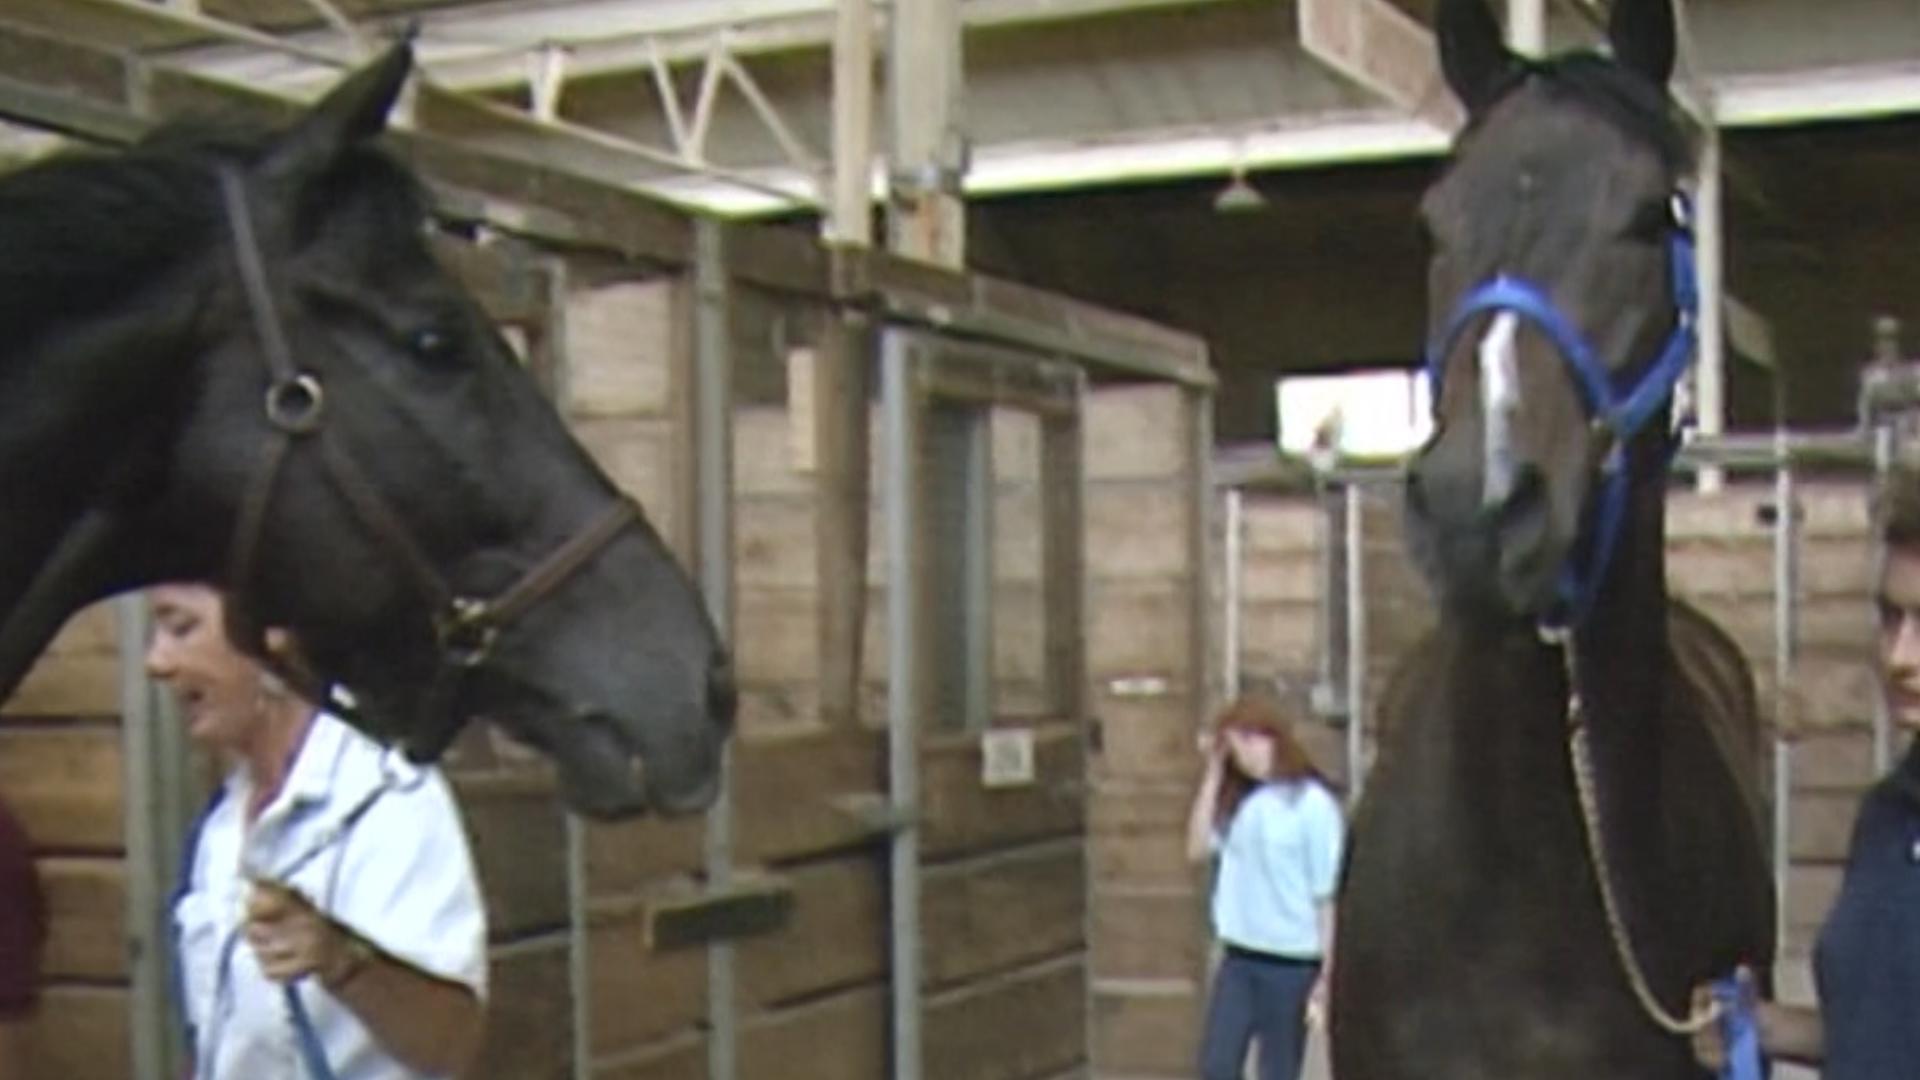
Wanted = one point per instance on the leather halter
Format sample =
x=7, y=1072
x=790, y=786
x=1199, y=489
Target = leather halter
x=466, y=628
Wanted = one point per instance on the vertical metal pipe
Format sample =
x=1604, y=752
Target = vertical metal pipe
x=1230, y=625
x=1883, y=447
x=1786, y=612
x=1709, y=256
x=1199, y=420
x=713, y=511
x=157, y=812
x=579, y=972
x=901, y=405
x=1355, y=542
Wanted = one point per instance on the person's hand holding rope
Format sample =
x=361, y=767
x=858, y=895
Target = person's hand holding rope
x=292, y=939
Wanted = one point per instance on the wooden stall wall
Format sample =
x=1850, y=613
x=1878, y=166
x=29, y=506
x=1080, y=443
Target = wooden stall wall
x=1150, y=682
x=1720, y=557
x=60, y=773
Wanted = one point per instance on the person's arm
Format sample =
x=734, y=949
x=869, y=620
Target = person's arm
x=428, y=1024
x=1205, y=799
x=1792, y=1033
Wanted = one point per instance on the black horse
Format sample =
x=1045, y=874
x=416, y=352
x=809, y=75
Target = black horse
x=233, y=358
x=1474, y=941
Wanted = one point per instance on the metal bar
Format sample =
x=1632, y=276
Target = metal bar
x=713, y=463
x=851, y=220
x=1097, y=354
x=902, y=408
x=1355, y=543
x=1883, y=456
x=1710, y=398
x=1527, y=27
x=157, y=812
x=1786, y=644
x=67, y=114
x=696, y=148
x=798, y=152
x=1199, y=486
x=579, y=962
x=1230, y=631
x=549, y=81
x=669, y=96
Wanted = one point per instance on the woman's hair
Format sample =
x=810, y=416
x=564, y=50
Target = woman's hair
x=1265, y=716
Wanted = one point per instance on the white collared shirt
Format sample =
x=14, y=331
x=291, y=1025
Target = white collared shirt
x=374, y=843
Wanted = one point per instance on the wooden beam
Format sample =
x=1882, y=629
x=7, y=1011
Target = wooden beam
x=1383, y=49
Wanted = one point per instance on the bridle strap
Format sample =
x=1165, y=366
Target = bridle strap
x=466, y=627
x=1621, y=415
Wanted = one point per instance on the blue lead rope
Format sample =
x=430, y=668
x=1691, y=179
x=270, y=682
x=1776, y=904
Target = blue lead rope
x=1739, y=1030
x=308, y=1038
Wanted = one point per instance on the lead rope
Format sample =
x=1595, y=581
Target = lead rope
x=1582, y=758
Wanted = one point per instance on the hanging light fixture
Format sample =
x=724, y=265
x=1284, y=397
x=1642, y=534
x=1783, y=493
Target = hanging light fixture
x=1239, y=197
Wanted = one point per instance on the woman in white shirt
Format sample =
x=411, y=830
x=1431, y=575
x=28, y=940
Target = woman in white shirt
x=1266, y=813
x=330, y=926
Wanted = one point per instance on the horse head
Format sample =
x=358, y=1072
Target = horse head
x=319, y=418
x=1560, y=295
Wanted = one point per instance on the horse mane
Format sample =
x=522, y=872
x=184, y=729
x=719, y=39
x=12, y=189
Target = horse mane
x=1616, y=94
x=83, y=228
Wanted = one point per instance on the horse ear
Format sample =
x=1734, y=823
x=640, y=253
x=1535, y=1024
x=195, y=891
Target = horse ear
x=1641, y=33
x=351, y=113
x=1473, y=55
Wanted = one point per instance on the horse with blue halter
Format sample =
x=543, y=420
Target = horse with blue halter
x=232, y=357
x=1561, y=835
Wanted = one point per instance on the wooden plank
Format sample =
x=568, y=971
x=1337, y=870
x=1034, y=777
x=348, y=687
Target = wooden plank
x=1146, y=1032
x=1146, y=738
x=842, y=1037
x=1004, y=910
x=1137, y=628
x=1149, y=933
x=743, y=909
x=69, y=684
x=641, y=457
x=1743, y=567
x=842, y=438
x=87, y=918
x=1137, y=835
x=791, y=792
x=636, y=996
x=529, y=1012
x=630, y=856
x=79, y=1031
x=620, y=342
x=959, y=815
x=1037, y=1018
x=64, y=784
x=1383, y=49
x=678, y=1057
x=837, y=937
x=1135, y=433
x=519, y=841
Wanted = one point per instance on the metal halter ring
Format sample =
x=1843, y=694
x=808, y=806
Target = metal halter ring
x=296, y=405
x=467, y=632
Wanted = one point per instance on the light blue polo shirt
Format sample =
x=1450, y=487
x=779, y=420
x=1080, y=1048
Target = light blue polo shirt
x=1279, y=859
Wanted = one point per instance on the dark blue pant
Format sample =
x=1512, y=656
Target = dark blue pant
x=1257, y=997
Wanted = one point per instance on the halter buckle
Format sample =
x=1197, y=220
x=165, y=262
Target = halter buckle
x=467, y=632
x=295, y=405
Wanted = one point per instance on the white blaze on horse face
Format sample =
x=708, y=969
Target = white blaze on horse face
x=1499, y=400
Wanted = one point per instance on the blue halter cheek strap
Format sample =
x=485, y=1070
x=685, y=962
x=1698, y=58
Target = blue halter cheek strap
x=1623, y=412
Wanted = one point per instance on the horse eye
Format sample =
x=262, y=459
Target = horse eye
x=432, y=344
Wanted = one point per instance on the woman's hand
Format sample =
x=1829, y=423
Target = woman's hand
x=292, y=939
x=1317, y=1001
x=1710, y=1042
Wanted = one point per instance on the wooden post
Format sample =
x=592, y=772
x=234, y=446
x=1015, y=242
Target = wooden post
x=851, y=218
x=843, y=450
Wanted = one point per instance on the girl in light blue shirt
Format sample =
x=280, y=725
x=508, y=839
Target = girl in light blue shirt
x=1266, y=813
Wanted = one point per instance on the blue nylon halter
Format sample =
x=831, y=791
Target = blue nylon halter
x=1740, y=1030
x=1622, y=412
